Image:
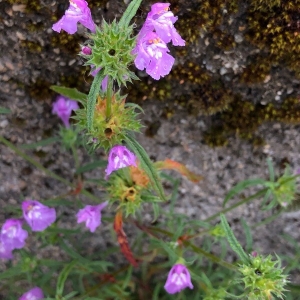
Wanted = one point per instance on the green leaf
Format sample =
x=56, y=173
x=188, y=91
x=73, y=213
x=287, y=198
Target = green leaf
x=156, y=210
x=147, y=165
x=91, y=166
x=71, y=93
x=249, y=240
x=241, y=186
x=41, y=143
x=70, y=295
x=127, y=278
x=73, y=254
x=92, y=99
x=4, y=110
x=129, y=13
x=11, y=272
x=134, y=105
x=233, y=242
x=271, y=169
x=62, y=277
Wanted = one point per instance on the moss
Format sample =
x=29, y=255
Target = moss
x=33, y=47
x=40, y=90
x=257, y=70
x=274, y=26
x=203, y=94
x=67, y=42
x=32, y=6
x=33, y=27
x=242, y=118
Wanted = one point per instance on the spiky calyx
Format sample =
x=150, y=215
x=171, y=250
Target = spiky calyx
x=126, y=187
x=111, y=50
x=108, y=132
x=263, y=278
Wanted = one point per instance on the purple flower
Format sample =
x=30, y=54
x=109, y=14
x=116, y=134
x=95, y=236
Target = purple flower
x=119, y=157
x=91, y=215
x=63, y=108
x=86, y=50
x=78, y=11
x=13, y=236
x=5, y=251
x=34, y=294
x=37, y=215
x=162, y=19
x=152, y=54
x=178, y=279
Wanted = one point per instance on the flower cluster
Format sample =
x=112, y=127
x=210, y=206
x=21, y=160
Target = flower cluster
x=13, y=236
x=78, y=11
x=151, y=49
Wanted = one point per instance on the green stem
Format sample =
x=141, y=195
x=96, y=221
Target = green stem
x=109, y=93
x=75, y=155
x=198, y=250
x=42, y=168
x=244, y=201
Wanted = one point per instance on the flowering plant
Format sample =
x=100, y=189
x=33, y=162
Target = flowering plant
x=131, y=184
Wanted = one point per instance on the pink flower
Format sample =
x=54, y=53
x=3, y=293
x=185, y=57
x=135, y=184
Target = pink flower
x=178, y=279
x=5, y=251
x=78, y=11
x=91, y=215
x=119, y=157
x=161, y=19
x=152, y=54
x=34, y=294
x=63, y=108
x=13, y=236
x=37, y=215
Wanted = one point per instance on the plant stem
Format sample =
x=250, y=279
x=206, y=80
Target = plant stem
x=109, y=93
x=244, y=201
x=75, y=155
x=42, y=168
x=196, y=249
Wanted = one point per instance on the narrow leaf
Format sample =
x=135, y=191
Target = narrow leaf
x=233, y=242
x=271, y=169
x=91, y=166
x=4, y=110
x=249, y=240
x=182, y=169
x=241, y=186
x=129, y=13
x=71, y=93
x=41, y=143
x=146, y=163
x=63, y=277
x=92, y=98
